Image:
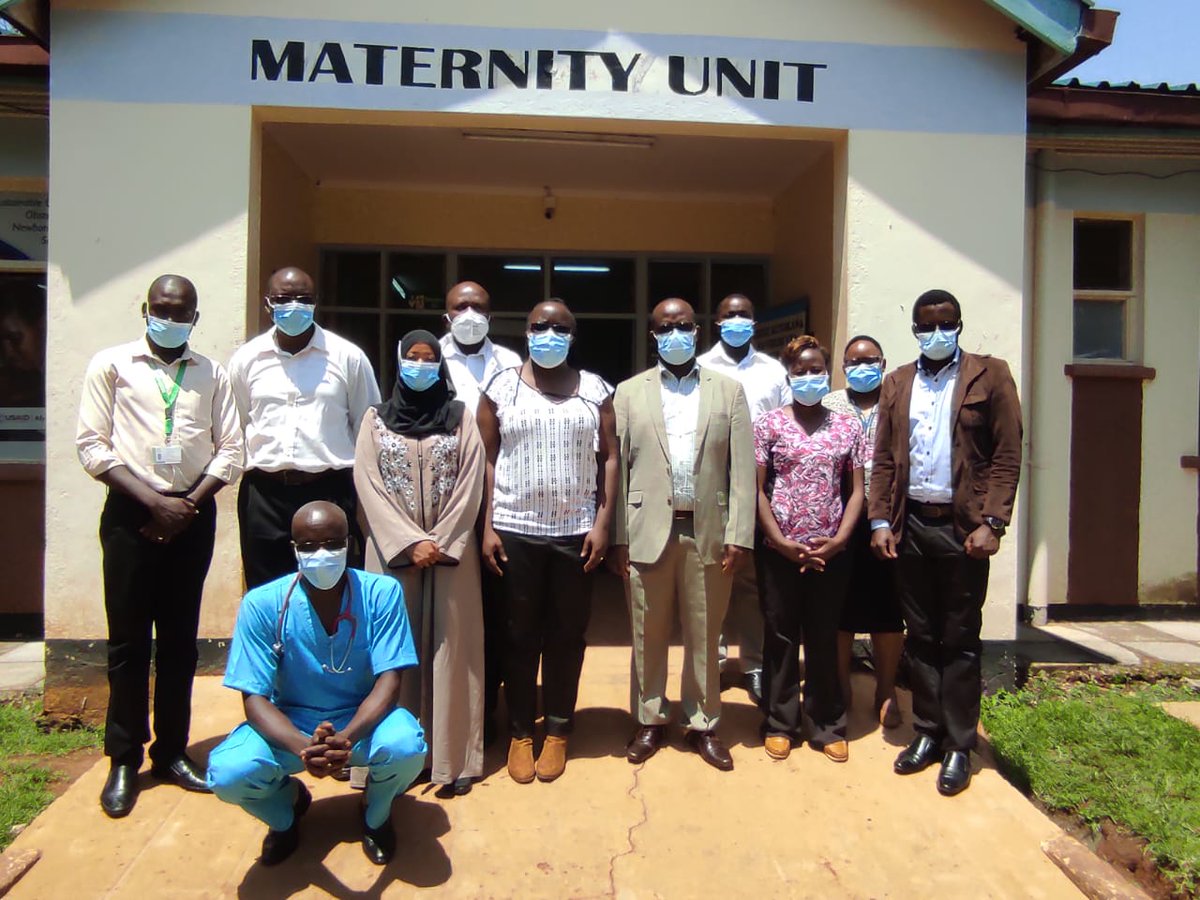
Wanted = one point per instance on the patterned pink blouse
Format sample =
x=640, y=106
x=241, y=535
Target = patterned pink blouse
x=805, y=483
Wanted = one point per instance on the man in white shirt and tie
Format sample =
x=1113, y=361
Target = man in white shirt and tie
x=473, y=361
x=765, y=383
x=301, y=392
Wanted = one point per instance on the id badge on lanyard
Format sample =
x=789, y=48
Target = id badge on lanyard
x=170, y=453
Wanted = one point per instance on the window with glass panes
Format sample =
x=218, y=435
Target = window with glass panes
x=1106, y=283
x=376, y=296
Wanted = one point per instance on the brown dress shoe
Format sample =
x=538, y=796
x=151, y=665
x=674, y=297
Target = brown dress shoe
x=645, y=743
x=711, y=750
x=553, y=758
x=778, y=746
x=838, y=751
x=520, y=760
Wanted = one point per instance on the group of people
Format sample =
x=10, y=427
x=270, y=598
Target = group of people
x=405, y=557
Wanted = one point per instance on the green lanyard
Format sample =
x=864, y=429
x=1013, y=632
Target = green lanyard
x=170, y=393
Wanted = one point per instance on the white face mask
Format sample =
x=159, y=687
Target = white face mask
x=322, y=568
x=469, y=328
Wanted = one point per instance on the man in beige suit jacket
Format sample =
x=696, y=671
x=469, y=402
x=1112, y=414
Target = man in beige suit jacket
x=683, y=523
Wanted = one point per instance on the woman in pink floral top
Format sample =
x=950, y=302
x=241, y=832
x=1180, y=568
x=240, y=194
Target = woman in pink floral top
x=803, y=451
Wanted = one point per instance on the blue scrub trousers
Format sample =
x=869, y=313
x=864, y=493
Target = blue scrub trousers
x=248, y=771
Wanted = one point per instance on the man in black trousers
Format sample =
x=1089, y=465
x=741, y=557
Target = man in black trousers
x=947, y=462
x=158, y=426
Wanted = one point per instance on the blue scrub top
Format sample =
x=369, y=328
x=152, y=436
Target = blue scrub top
x=296, y=680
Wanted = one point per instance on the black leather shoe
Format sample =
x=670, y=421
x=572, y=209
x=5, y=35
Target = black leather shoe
x=279, y=845
x=183, y=772
x=917, y=756
x=120, y=791
x=753, y=683
x=711, y=750
x=379, y=844
x=955, y=774
x=645, y=743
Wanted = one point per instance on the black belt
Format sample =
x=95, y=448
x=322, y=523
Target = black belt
x=683, y=514
x=931, y=510
x=294, y=476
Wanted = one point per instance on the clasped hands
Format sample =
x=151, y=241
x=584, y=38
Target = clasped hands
x=327, y=753
x=812, y=555
x=425, y=554
x=169, y=516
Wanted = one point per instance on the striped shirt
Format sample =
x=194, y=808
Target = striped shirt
x=546, y=467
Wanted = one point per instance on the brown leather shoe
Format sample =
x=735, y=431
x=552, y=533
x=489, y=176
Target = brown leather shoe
x=838, y=751
x=778, y=746
x=553, y=758
x=711, y=750
x=520, y=760
x=645, y=743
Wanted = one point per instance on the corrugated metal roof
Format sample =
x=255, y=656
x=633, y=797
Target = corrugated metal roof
x=1161, y=88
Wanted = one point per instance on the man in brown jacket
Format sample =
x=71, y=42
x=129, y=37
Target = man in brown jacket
x=947, y=461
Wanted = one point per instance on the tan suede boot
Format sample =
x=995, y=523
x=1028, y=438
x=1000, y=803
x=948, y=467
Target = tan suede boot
x=553, y=759
x=520, y=760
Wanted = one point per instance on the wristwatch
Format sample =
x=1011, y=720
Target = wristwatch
x=998, y=527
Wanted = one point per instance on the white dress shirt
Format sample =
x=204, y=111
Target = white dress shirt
x=301, y=411
x=763, y=379
x=930, y=435
x=122, y=418
x=681, y=410
x=471, y=374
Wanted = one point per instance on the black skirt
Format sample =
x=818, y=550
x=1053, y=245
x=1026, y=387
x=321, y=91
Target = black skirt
x=872, y=603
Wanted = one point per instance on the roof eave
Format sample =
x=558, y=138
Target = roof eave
x=1054, y=22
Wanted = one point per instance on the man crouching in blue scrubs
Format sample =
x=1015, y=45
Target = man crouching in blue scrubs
x=317, y=656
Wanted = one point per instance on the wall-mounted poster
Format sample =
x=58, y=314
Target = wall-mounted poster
x=24, y=227
x=776, y=325
x=22, y=366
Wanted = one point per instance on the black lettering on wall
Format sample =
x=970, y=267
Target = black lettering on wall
x=468, y=68
x=500, y=61
x=677, y=68
x=375, y=54
x=262, y=54
x=545, y=69
x=332, y=61
x=728, y=71
x=805, y=79
x=618, y=72
x=578, y=70
x=409, y=65
x=770, y=72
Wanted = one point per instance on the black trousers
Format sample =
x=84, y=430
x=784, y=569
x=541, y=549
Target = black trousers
x=151, y=587
x=797, y=606
x=548, y=598
x=265, y=509
x=942, y=592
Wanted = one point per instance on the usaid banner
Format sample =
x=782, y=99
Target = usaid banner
x=146, y=57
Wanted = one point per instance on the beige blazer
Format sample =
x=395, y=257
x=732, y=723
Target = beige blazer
x=724, y=471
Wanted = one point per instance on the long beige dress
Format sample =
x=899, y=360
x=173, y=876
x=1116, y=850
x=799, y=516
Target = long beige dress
x=411, y=490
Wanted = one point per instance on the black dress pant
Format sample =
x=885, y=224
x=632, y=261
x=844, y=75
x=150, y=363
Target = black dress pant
x=548, y=599
x=151, y=587
x=942, y=592
x=797, y=606
x=266, y=504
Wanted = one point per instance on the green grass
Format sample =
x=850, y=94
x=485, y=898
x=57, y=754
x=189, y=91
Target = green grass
x=1107, y=751
x=24, y=785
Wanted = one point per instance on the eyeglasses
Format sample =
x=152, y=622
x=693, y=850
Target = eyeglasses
x=930, y=329
x=665, y=328
x=308, y=299
x=314, y=546
x=542, y=327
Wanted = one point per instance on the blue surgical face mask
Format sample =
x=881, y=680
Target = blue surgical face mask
x=737, y=331
x=293, y=318
x=322, y=568
x=809, y=389
x=863, y=379
x=939, y=344
x=548, y=349
x=418, y=374
x=167, y=334
x=676, y=347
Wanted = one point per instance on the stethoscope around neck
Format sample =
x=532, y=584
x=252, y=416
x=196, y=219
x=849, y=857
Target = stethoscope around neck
x=344, y=616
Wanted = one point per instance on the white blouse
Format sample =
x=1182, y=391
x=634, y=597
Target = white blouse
x=546, y=467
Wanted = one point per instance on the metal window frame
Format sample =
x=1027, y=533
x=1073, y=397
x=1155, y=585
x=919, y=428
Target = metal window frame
x=1133, y=332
